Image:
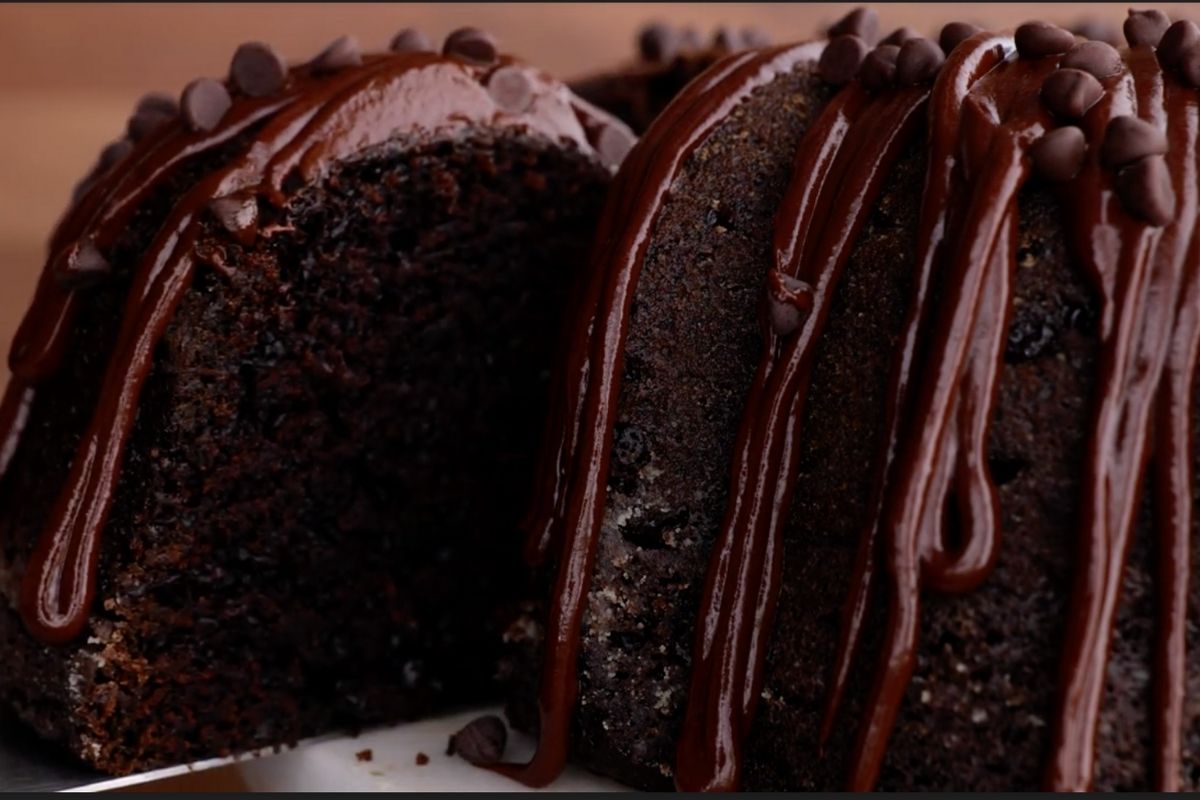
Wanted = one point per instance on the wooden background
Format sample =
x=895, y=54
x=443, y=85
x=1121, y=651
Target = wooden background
x=70, y=73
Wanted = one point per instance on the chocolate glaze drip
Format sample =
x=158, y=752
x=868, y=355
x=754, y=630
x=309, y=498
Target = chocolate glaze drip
x=310, y=124
x=838, y=177
x=985, y=111
x=573, y=486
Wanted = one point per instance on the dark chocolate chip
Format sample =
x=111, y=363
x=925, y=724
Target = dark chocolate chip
x=341, y=53
x=203, y=103
x=658, y=43
x=411, y=40
x=900, y=36
x=755, y=37
x=82, y=188
x=878, y=69
x=613, y=143
x=861, y=22
x=789, y=301
x=1098, y=58
x=511, y=88
x=257, y=69
x=1182, y=37
x=727, y=39
x=85, y=266
x=481, y=742
x=1059, y=154
x=1069, y=93
x=1145, y=190
x=1189, y=67
x=1145, y=27
x=1039, y=39
x=1097, y=30
x=238, y=214
x=1128, y=139
x=841, y=59
x=158, y=102
x=955, y=33
x=471, y=44
x=143, y=123
x=919, y=60
x=114, y=152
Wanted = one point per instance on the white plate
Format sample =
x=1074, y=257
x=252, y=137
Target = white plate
x=332, y=764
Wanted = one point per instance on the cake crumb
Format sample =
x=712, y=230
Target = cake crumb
x=422, y=759
x=364, y=755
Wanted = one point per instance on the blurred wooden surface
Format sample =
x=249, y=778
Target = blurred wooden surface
x=70, y=73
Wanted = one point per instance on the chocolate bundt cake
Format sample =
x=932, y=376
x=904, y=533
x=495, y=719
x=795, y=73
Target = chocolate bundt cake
x=871, y=463
x=269, y=425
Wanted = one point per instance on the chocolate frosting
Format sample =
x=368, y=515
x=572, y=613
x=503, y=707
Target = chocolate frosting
x=1131, y=227
x=318, y=115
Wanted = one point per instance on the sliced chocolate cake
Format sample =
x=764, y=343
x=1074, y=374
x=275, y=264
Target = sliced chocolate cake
x=872, y=461
x=272, y=410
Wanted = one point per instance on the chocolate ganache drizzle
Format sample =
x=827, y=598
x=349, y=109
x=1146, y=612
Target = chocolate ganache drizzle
x=295, y=123
x=1116, y=132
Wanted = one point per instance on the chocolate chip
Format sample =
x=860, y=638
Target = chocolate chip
x=1098, y=58
x=1097, y=30
x=152, y=111
x=1128, y=139
x=158, y=102
x=204, y=102
x=954, y=34
x=861, y=22
x=919, y=60
x=727, y=39
x=613, y=143
x=511, y=89
x=238, y=214
x=789, y=300
x=753, y=37
x=1145, y=190
x=113, y=153
x=1145, y=27
x=900, y=36
x=341, y=53
x=470, y=44
x=1039, y=39
x=85, y=266
x=481, y=742
x=1069, y=93
x=411, y=40
x=143, y=123
x=257, y=69
x=1189, y=67
x=878, y=69
x=1182, y=37
x=841, y=59
x=658, y=43
x=82, y=188
x=1059, y=154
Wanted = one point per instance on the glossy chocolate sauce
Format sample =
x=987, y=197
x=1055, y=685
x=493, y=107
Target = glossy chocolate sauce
x=314, y=121
x=980, y=117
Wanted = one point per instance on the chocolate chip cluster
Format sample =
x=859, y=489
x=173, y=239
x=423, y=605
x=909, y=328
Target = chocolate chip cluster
x=1132, y=147
x=660, y=43
x=902, y=58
